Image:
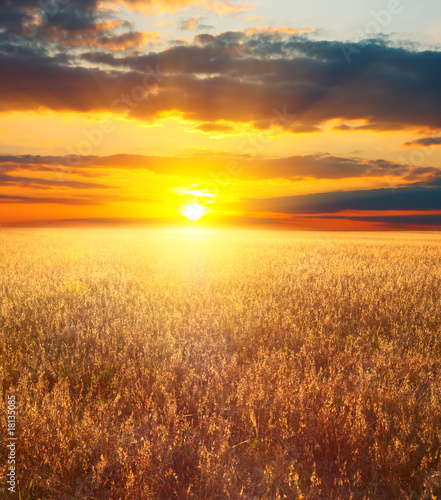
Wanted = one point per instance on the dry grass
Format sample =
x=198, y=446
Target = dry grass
x=152, y=364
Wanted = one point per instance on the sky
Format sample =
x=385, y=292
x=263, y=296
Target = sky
x=302, y=115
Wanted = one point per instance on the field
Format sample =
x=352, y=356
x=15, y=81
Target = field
x=216, y=364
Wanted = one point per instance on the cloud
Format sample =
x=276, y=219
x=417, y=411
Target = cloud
x=316, y=166
x=194, y=23
x=31, y=81
x=189, y=24
x=30, y=182
x=226, y=8
x=223, y=7
x=214, y=127
x=158, y=7
x=28, y=200
x=325, y=166
x=163, y=24
x=92, y=200
x=148, y=222
x=27, y=17
x=30, y=162
x=379, y=127
x=103, y=36
x=235, y=77
x=425, y=141
x=81, y=13
x=83, y=23
x=394, y=221
x=402, y=199
x=277, y=31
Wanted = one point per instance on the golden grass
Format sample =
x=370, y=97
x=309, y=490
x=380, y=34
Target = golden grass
x=213, y=365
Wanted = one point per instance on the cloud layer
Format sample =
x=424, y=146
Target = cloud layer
x=402, y=199
x=203, y=165
x=235, y=77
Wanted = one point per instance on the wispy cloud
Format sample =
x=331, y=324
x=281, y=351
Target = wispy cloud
x=194, y=23
x=425, y=141
x=316, y=166
x=30, y=200
x=31, y=182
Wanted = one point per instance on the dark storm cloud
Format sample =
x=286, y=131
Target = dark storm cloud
x=29, y=18
x=31, y=80
x=251, y=75
x=65, y=22
x=237, y=77
x=326, y=203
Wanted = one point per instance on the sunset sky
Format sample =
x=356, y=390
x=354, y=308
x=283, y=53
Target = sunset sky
x=317, y=115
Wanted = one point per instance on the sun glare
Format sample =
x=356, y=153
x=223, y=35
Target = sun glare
x=194, y=211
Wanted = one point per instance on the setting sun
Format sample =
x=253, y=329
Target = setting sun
x=194, y=211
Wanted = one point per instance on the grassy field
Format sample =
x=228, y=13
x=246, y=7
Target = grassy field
x=202, y=364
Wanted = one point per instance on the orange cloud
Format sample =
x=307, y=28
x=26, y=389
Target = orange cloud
x=164, y=24
x=214, y=128
x=226, y=8
x=190, y=24
x=223, y=7
x=102, y=34
x=280, y=30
